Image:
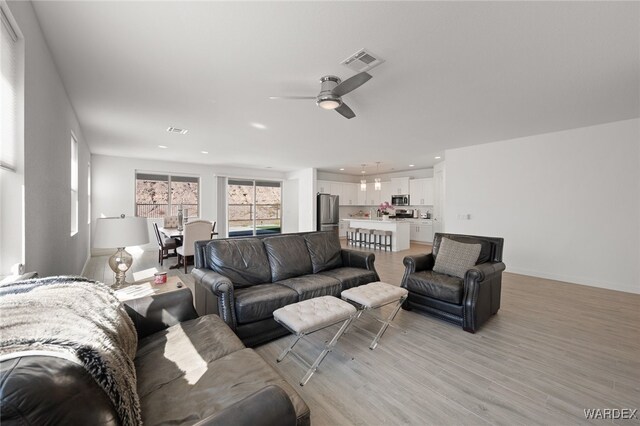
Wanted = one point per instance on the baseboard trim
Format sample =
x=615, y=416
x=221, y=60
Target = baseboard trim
x=576, y=280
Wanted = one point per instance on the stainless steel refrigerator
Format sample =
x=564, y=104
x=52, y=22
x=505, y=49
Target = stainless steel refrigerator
x=328, y=213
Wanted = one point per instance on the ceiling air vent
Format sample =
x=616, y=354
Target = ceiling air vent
x=362, y=60
x=177, y=130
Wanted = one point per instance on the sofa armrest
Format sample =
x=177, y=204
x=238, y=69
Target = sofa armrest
x=157, y=312
x=418, y=262
x=270, y=406
x=358, y=259
x=481, y=272
x=222, y=288
x=481, y=298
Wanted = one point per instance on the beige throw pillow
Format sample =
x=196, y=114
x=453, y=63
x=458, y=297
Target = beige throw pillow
x=456, y=258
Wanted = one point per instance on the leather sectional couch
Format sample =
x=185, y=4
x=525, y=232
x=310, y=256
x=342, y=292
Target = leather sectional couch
x=245, y=279
x=190, y=370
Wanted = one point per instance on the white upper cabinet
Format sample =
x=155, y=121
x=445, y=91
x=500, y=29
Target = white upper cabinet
x=421, y=192
x=400, y=186
x=335, y=188
x=385, y=193
x=373, y=196
x=362, y=196
x=349, y=195
x=323, y=186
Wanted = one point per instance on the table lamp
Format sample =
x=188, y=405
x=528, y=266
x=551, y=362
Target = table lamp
x=120, y=232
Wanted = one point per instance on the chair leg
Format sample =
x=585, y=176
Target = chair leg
x=184, y=258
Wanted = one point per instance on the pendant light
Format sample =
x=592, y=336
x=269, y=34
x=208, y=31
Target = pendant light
x=377, y=185
x=363, y=181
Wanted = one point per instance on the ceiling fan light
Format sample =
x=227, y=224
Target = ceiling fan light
x=328, y=103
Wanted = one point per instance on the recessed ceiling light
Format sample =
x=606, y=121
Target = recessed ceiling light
x=178, y=130
x=258, y=126
x=163, y=146
x=412, y=165
x=437, y=158
x=204, y=152
x=342, y=169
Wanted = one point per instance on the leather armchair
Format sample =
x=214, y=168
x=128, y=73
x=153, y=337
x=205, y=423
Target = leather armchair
x=467, y=302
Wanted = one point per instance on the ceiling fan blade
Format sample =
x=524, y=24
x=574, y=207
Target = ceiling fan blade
x=345, y=111
x=292, y=97
x=351, y=84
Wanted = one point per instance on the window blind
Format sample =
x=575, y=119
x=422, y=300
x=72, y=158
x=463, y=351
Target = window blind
x=8, y=90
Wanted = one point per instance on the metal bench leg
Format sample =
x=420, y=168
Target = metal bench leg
x=286, y=351
x=386, y=323
x=328, y=348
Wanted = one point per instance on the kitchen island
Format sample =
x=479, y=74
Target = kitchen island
x=399, y=230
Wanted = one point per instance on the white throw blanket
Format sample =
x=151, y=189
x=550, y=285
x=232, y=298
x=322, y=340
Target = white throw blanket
x=75, y=318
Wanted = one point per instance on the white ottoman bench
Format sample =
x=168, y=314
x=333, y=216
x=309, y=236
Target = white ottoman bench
x=311, y=315
x=375, y=295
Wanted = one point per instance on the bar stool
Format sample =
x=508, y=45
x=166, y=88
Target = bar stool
x=352, y=234
x=372, y=239
x=378, y=234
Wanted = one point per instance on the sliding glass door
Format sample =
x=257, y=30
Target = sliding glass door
x=254, y=207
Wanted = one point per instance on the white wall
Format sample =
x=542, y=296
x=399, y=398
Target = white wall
x=306, y=179
x=566, y=203
x=113, y=187
x=49, y=119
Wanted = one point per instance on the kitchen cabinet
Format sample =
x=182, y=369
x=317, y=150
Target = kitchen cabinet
x=323, y=186
x=349, y=194
x=342, y=229
x=385, y=193
x=421, y=232
x=421, y=192
x=400, y=186
x=362, y=196
x=335, y=188
x=373, y=196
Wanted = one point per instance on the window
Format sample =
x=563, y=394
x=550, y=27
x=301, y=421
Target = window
x=9, y=103
x=160, y=195
x=74, y=185
x=255, y=207
x=11, y=144
x=88, y=193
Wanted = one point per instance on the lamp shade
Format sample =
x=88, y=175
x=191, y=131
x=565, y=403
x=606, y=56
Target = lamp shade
x=114, y=232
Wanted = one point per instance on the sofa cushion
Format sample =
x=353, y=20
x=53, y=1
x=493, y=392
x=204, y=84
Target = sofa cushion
x=244, y=261
x=325, y=251
x=258, y=302
x=164, y=356
x=288, y=256
x=205, y=388
x=351, y=277
x=485, y=249
x=310, y=286
x=438, y=286
x=456, y=258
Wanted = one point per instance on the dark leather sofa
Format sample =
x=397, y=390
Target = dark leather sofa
x=190, y=370
x=245, y=279
x=467, y=302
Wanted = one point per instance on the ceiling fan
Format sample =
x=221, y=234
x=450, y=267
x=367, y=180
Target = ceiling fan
x=332, y=89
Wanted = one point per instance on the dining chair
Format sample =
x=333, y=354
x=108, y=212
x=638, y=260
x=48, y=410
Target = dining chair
x=170, y=222
x=193, y=231
x=164, y=245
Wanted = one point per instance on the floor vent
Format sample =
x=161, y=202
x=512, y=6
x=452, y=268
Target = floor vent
x=362, y=60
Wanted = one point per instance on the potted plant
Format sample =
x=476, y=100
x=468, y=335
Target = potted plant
x=384, y=209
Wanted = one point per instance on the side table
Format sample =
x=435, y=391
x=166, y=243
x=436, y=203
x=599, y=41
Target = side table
x=154, y=307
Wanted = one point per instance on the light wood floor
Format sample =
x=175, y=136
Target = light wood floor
x=553, y=350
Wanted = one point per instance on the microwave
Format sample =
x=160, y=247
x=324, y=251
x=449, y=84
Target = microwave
x=400, y=200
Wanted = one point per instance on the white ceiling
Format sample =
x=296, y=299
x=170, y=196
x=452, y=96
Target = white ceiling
x=456, y=74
